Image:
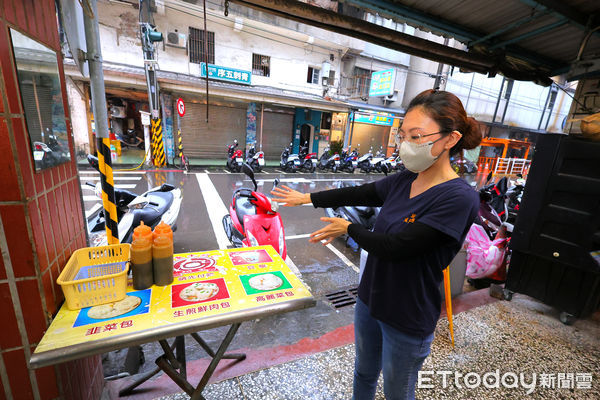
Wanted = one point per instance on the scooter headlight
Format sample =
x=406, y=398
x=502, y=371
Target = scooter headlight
x=252, y=239
x=281, y=241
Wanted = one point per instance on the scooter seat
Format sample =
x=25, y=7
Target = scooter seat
x=244, y=207
x=158, y=204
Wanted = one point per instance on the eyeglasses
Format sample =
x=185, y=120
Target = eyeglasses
x=401, y=137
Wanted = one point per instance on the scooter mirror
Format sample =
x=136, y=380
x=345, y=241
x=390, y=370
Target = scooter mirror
x=246, y=169
x=93, y=161
x=275, y=183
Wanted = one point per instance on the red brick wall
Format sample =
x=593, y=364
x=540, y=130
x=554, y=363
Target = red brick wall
x=41, y=224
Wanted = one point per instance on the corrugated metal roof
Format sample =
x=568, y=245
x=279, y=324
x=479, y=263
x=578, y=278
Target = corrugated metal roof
x=548, y=41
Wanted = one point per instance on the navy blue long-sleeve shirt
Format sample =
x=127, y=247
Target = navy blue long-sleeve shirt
x=411, y=244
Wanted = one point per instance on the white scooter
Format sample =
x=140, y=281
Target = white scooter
x=159, y=204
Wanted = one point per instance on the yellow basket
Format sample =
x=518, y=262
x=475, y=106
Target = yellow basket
x=95, y=275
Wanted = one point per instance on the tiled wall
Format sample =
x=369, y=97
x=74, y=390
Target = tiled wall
x=41, y=224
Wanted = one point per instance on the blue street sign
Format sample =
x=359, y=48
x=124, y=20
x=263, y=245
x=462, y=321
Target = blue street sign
x=226, y=74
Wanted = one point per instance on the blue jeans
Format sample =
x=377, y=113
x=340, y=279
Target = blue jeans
x=379, y=345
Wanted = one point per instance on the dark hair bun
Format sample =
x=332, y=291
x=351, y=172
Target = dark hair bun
x=472, y=134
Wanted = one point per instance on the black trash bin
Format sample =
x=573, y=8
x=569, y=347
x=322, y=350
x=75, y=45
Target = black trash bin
x=558, y=226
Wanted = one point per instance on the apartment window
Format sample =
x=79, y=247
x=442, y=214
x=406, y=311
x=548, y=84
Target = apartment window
x=196, y=46
x=362, y=81
x=261, y=65
x=313, y=75
x=331, y=78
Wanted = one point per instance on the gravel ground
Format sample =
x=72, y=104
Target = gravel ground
x=522, y=337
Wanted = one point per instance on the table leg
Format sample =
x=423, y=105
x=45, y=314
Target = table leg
x=197, y=393
x=210, y=352
x=180, y=353
x=127, y=390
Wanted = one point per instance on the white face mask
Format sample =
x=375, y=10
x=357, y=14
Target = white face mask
x=417, y=157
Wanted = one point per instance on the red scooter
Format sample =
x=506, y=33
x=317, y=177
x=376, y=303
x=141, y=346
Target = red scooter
x=235, y=158
x=253, y=219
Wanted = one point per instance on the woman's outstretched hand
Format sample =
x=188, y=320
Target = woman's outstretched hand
x=290, y=197
x=336, y=227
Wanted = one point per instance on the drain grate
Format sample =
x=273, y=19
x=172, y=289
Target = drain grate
x=343, y=297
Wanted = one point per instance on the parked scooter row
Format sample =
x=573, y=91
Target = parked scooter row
x=348, y=160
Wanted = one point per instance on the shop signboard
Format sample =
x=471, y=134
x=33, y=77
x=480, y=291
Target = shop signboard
x=206, y=284
x=226, y=74
x=383, y=119
x=382, y=82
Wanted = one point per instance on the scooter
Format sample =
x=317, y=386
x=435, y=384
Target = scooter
x=364, y=161
x=253, y=219
x=329, y=161
x=235, y=158
x=130, y=139
x=308, y=161
x=390, y=162
x=289, y=162
x=161, y=203
x=377, y=161
x=514, y=196
x=256, y=159
x=349, y=161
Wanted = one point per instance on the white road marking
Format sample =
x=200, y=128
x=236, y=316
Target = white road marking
x=124, y=186
x=343, y=258
x=93, y=210
x=206, y=171
x=281, y=172
x=226, y=171
x=297, y=236
x=265, y=172
x=90, y=198
x=215, y=207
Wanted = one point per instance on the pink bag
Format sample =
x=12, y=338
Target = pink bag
x=484, y=256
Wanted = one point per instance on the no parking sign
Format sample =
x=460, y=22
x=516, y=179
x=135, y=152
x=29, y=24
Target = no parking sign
x=180, y=107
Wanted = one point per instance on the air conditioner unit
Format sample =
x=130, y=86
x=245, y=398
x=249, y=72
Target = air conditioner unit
x=117, y=112
x=390, y=98
x=176, y=39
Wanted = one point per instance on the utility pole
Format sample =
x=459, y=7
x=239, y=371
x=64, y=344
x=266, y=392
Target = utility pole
x=94, y=58
x=150, y=36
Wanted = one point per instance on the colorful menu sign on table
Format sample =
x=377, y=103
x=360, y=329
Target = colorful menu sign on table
x=205, y=284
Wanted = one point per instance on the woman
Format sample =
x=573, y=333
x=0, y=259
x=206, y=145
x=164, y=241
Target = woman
x=425, y=215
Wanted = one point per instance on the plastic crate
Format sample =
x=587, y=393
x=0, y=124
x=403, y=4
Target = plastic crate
x=95, y=275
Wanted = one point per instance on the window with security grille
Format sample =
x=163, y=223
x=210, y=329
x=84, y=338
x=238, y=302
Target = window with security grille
x=313, y=75
x=261, y=65
x=196, y=46
x=362, y=81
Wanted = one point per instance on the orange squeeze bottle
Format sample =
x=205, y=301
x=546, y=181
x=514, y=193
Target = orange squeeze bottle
x=142, y=231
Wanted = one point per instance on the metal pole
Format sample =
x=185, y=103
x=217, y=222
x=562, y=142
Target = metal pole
x=545, y=106
x=498, y=101
x=262, y=111
x=94, y=57
x=206, y=56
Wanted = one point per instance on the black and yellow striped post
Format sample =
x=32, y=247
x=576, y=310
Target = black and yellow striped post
x=179, y=143
x=108, y=191
x=158, y=148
